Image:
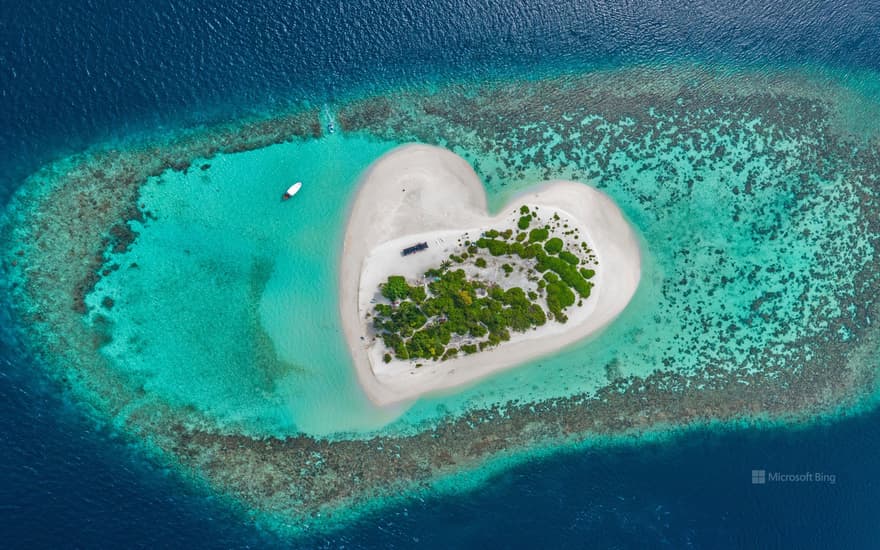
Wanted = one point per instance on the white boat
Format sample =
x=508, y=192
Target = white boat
x=293, y=190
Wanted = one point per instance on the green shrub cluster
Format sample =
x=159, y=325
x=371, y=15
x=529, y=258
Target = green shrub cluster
x=423, y=320
x=451, y=307
x=538, y=235
x=553, y=246
x=567, y=272
x=559, y=297
x=496, y=247
x=395, y=288
x=569, y=257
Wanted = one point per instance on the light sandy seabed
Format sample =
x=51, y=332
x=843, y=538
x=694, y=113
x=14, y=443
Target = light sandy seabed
x=424, y=193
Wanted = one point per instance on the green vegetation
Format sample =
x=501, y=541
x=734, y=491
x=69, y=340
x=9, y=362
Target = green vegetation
x=395, y=289
x=496, y=247
x=553, y=246
x=559, y=297
x=567, y=272
x=453, y=315
x=569, y=257
x=538, y=235
x=452, y=308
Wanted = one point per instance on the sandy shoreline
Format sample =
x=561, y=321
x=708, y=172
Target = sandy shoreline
x=433, y=193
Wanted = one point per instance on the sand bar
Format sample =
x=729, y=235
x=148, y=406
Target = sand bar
x=423, y=193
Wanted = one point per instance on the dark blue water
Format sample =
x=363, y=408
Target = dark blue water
x=72, y=73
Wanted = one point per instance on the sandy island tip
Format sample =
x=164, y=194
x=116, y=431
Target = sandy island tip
x=436, y=293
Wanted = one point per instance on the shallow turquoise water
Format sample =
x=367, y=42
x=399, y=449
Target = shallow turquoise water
x=232, y=308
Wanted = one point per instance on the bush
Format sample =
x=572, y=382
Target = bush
x=559, y=297
x=569, y=257
x=553, y=246
x=520, y=237
x=491, y=234
x=538, y=235
x=568, y=273
x=496, y=247
x=409, y=314
x=508, y=269
x=587, y=273
x=480, y=262
x=515, y=296
x=524, y=210
x=537, y=315
x=501, y=335
x=469, y=348
x=387, y=357
x=417, y=294
x=528, y=252
x=524, y=222
x=395, y=288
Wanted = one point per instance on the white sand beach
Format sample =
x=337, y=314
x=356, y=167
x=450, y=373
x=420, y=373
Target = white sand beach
x=420, y=193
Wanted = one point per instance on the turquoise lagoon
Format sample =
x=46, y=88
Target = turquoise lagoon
x=226, y=303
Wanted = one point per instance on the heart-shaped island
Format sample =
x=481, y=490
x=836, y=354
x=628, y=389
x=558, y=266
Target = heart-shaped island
x=436, y=293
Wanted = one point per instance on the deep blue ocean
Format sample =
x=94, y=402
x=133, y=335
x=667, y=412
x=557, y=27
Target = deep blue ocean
x=76, y=73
